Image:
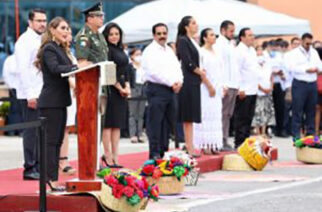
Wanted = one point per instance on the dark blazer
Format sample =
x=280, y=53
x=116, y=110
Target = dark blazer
x=55, y=92
x=189, y=58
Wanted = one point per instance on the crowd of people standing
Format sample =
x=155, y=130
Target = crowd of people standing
x=206, y=84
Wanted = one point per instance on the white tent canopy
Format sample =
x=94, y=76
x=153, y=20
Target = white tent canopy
x=137, y=22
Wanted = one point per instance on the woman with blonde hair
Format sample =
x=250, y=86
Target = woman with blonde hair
x=52, y=60
x=64, y=165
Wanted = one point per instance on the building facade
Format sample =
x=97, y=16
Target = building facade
x=307, y=9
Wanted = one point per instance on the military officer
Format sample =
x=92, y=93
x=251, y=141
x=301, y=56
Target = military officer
x=91, y=46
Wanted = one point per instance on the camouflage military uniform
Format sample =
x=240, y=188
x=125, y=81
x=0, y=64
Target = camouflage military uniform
x=91, y=46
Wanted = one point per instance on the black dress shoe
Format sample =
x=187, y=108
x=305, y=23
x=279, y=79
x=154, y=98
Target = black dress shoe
x=282, y=134
x=31, y=176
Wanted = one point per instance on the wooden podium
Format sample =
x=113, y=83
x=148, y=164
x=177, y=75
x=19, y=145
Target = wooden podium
x=88, y=84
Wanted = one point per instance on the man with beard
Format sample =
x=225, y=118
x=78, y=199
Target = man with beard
x=227, y=51
x=163, y=76
x=30, y=84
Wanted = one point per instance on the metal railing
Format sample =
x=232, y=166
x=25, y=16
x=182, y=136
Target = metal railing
x=40, y=125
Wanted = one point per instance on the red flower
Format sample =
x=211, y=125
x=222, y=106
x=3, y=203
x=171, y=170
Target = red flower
x=128, y=191
x=171, y=165
x=159, y=161
x=139, y=193
x=111, y=180
x=145, y=183
x=148, y=170
x=175, y=160
x=186, y=172
x=130, y=181
x=155, y=191
x=157, y=173
x=117, y=191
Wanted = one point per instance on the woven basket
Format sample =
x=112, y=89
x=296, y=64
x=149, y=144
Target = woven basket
x=309, y=155
x=168, y=185
x=234, y=162
x=251, y=156
x=121, y=204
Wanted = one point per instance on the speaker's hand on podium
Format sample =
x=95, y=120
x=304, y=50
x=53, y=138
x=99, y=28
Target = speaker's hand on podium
x=83, y=63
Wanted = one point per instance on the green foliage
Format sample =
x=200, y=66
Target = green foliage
x=4, y=109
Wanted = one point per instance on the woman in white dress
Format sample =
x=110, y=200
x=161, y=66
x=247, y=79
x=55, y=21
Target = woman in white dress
x=208, y=134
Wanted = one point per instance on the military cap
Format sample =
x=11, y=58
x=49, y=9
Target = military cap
x=96, y=9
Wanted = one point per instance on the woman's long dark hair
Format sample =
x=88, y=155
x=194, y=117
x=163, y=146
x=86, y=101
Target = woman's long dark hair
x=204, y=34
x=107, y=30
x=48, y=37
x=185, y=21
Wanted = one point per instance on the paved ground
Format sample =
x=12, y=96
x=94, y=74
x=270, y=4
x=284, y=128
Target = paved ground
x=284, y=185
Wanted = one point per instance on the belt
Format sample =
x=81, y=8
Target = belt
x=301, y=81
x=158, y=85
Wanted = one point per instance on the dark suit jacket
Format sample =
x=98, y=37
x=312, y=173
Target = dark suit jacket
x=55, y=92
x=189, y=57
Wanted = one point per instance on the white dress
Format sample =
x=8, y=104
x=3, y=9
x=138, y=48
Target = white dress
x=209, y=132
x=71, y=110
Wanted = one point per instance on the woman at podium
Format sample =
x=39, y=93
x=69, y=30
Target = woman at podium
x=53, y=60
x=115, y=117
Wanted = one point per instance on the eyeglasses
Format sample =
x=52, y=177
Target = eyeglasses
x=161, y=33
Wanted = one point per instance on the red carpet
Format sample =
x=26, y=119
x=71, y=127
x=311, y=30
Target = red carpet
x=19, y=195
x=12, y=183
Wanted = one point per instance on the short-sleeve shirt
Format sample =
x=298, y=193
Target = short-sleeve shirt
x=91, y=46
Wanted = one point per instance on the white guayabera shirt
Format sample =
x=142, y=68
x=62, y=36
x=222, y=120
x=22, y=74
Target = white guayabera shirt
x=30, y=78
x=160, y=65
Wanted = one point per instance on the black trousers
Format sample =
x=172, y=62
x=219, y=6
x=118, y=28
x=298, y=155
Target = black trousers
x=243, y=116
x=304, y=99
x=56, y=123
x=161, y=118
x=287, y=122
x=279, y=101
x=30, y=139
x=15, y=113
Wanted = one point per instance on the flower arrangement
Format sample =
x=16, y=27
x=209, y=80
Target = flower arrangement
x=256, y=151
x=182, y=155
x=193, y=176
x=309, y=141
x=133, y=187
x=161, y=167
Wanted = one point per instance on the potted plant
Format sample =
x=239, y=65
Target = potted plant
x=168, y=175
x=126, y=191
x=4, y=111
